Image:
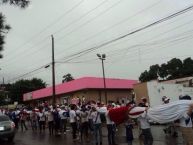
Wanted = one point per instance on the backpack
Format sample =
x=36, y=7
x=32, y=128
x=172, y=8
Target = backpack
x=103, y=117
x=13, y=116
x=65, y=114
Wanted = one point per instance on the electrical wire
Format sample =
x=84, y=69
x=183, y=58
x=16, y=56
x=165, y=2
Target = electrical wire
x=83, y=52
x=44, y=29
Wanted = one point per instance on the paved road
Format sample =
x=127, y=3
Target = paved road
x=34, y=138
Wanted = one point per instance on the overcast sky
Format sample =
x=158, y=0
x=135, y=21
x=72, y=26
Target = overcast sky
x=82, y=24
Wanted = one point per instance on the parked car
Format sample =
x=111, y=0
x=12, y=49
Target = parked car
x=7, y=128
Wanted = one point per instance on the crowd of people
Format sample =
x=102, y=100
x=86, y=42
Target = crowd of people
x=87, y=119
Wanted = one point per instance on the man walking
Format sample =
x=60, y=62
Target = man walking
x=145, y=127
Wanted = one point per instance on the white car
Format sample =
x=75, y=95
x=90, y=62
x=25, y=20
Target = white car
x=7, y=128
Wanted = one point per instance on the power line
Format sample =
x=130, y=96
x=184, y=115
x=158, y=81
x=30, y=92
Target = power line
x=130, y=33
x=83, y=52
x=141, y=11
x=48, y=26
x=69, y=24
x=86, y=61
x=80, y=18
x=21, y=76
x=90, y=37
x=120, y=22
x=93, y=18
x=165, y=41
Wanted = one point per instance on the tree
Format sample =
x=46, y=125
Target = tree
x=19, y=3
x=17, y=89
x=163, y=71
x=67, y=78
x=187, y=67
x=153, y=72
x=3, y=97
x=173, y=69
x=144, y=76
x=4, y=27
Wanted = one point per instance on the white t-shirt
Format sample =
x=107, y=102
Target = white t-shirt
x=183, y=121
x=143, y=120
x=61, y=113
x=96, y=117
x=108, y=120
x=84, y=116
x=50, y=116
x=72, y=116
x=78, y=114
x=42, y=116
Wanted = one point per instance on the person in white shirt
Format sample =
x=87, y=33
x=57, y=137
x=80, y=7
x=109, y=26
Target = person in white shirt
x=42, y=120
x=73, y=121
x=145, y=127
x=97, y=125
x=186, y=124
x=50, y=119
x=170, y=127
x=63, y=116
x=84, y=123
x=34, y=119
x=110, y=127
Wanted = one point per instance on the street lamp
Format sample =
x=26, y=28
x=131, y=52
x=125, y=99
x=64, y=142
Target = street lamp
x=102, y=57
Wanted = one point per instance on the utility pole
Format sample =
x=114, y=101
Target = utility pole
x=104, y=80
x=102, y=57
x=53, y=74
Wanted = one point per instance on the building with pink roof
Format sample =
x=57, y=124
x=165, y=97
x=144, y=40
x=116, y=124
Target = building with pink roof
x=88, y=88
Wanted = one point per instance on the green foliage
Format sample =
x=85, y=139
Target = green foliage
x=3, y=97
x=19, y=3
x=144, y=76
x=4, y=28
x=67, y=78
x=17, y=89
x=173, y=69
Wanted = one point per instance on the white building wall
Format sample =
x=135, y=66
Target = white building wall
x=157, y=90
x=188, y=91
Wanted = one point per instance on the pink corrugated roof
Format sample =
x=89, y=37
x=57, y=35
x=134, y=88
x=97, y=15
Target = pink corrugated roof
x=80, y=84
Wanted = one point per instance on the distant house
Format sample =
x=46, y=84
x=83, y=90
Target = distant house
x=87, y=88
x=153, y=91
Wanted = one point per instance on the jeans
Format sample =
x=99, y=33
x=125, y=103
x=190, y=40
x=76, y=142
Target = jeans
x=51, y=127
x=90, y=124
x=34, y=124
x=63, y=123
x=98, y=133
x=23, y=125
x=16, y=121
x=111, y=134
x=84, y=129
x=74, y=129
x=42, y=125
x=148, y=138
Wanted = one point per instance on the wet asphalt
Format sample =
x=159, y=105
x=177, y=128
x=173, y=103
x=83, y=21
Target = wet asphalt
x=35, y=138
